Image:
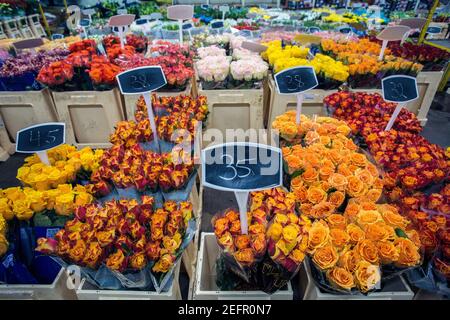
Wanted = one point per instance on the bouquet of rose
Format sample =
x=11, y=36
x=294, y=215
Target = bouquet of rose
x=348, y=250
x=24, y=203
x=4, y=244
x=249, y=69
x=67, y=165
x=213, y=69
x=123, y=237
x=240, y=53
x=204, y=52
x=88, y=45
x=410, y=161
x=103, y=73
x=276, y=51
x=369, y=113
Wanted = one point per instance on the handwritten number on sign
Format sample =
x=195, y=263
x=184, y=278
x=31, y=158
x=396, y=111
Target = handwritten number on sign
x=397, y=91
x=238, y=165
x=139, y=82
x=35, y=140
x=49, y=135
x=294, y=82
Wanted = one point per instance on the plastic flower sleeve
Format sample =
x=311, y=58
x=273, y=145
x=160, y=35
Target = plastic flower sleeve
x=241, y=252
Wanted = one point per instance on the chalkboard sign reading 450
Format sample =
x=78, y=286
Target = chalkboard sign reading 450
x=40, y=137
x=241, y=166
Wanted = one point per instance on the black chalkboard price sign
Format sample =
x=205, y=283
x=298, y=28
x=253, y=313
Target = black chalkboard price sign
x=85, y=23
x=141, y=80
x=241, y=166
x=296, y=80
x=41, y=137
x=217, y=24
x=400, y=89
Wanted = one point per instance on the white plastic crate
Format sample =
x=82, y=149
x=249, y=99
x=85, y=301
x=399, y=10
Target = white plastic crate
x=58, y=290
x=88, y=291
x=395, y=289
x=205, y=284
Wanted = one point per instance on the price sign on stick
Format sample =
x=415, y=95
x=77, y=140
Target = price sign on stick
x=393, y=33
x=121, y=22
x=253, y=46
x=242, y=167
x=399, y=89
x=217, y=24
x=143, y=81
x=296, y=80
x=28, y=44
x=89, y=13
x=40, y=138
x=224, y=10
x=57, y=36
x=180, y=13
x=85, y=23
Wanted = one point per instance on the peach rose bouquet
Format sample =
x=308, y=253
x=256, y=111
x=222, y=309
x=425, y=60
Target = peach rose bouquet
x=351, y=252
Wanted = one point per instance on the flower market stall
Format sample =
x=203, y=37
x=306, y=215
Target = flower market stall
x=276, y=153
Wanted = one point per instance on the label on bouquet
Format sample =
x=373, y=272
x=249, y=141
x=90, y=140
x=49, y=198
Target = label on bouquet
x=241, y=166
x=253, y=46
x=28, y=43
x=180, y=12
x=121, y=20
x=345, y=30
x=141, y=80
x=217, y=24
x=314, y=29
x=399, y=89
x=296, y=80
x=85, y=23
x=187, y=26
x=41, y=137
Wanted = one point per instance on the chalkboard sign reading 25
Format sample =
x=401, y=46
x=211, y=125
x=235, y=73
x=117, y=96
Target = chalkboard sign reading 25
x=241, y=166
x=40, y=137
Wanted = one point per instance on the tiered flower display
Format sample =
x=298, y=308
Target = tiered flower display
x=368, y=113
x=122, y=235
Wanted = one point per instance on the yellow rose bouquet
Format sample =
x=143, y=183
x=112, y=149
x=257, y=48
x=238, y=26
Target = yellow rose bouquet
x=126, y=237
x=3, y=241
x=24, y=203
x=353, y=250
x=67, y=165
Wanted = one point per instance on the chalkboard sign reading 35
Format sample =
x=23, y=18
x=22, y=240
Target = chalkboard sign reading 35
x=40, y=137
x=241, y=166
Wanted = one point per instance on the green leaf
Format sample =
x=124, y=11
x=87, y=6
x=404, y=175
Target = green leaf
x=400, y=233
x=297, y=173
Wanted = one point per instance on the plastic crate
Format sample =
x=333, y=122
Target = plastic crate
x=205, y=284
x=394, y=289
x=20, y=109
x=90, y=116
x=58, y=290
x=87, y=291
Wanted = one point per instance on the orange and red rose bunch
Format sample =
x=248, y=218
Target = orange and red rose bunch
x=245, y=248
x=56, y=73
x=103, y=72
x=411, y=162
x=367, y=113
x=122, y=235
x=88, y=45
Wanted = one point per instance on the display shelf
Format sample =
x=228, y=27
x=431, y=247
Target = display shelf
x=58, y=290
x=90, y=116
x=21, y=109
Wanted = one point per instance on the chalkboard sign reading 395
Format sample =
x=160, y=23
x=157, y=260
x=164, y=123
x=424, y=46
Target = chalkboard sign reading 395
x=241, y=166
x=296, y=80
x=40, y=137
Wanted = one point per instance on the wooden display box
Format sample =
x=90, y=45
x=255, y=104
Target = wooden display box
x=205, y=282
x=58, y=290
x=90, y=116
x=130, y=100
x=87, y=291
x=233, y=109
x=21, y=109
x=394, y=289
x=427, y=84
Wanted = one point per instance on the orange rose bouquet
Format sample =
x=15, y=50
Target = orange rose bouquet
x=123, y=239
